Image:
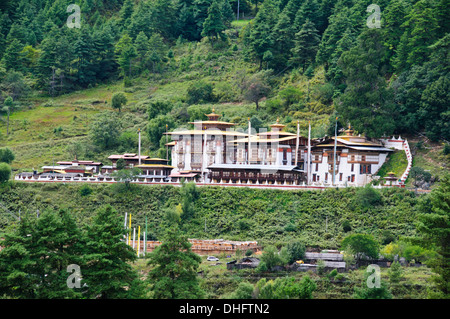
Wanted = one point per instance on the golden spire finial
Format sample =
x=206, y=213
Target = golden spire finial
x=278, y=120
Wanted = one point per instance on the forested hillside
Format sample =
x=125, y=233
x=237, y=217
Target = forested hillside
x=176, y=59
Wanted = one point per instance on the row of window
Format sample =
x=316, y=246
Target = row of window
x=340, y=176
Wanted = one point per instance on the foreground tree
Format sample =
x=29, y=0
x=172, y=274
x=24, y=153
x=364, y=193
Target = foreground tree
x=434, y=225
x=109, y=273
x=174, y=272
x=33, y=263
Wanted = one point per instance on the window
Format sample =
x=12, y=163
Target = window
x=340, y=177
x=352, y=167
x=314, y=177
x=365, y=169
x=326, y=176
x=317, y=167
x=353, y=178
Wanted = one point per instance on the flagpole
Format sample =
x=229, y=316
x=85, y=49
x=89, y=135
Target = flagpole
x=249, y=142
x=139, y=146
x=297, y=142
x=309, y=154
x=204, y=158
x=134, y=236
x=334, y=155
x=145, y=236
x=125, y=225
x=129, y=227
x=138, y=240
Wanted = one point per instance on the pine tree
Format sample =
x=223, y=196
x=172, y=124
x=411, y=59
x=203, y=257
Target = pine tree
x=108, y=273
x=422, y=30
x=434, y=226
x=227, y=13
x=392, y=19
x=213, y=26
x=334, y=73
x=281, y=49
x=366, y=101
x=84, y=63
x=306, y=45
x=126, y=11
x=260, y=39
x=200, y=10
x=33, y=263
x=338, y=23
x=174, y=268
x=125, y=53
x=12, y=58
x=186, y=20
x=157, y=53
x=309, y=10
x=142, y=46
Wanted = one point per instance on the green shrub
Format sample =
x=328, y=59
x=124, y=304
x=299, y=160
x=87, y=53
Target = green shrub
x=296, y=250
x=346, y=226
x=5, y=172
x=85, y=190
x=200, y=92
x=243, y=291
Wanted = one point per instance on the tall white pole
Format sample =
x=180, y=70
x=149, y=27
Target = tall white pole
x=125, y=224
x=297, y=142
x=144, y=250
x=134, y=236
x=204, y=161
x=237, y=11
x=334, y=154
x=139, y=146
x=249, y=152
x=308, y=161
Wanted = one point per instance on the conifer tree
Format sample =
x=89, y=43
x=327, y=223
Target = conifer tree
x=33, y=263
x=366, y=101
x=306, y=45
x=125, y=53
x=260, y=37
x=174, y=267
x=434, y=226
x=12, y=58
x=284, y=42
x=338, y=23
x=309, y=10
x=108, y=273
x=213, y=26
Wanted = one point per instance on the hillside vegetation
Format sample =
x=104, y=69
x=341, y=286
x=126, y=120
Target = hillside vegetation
x=268, y=216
